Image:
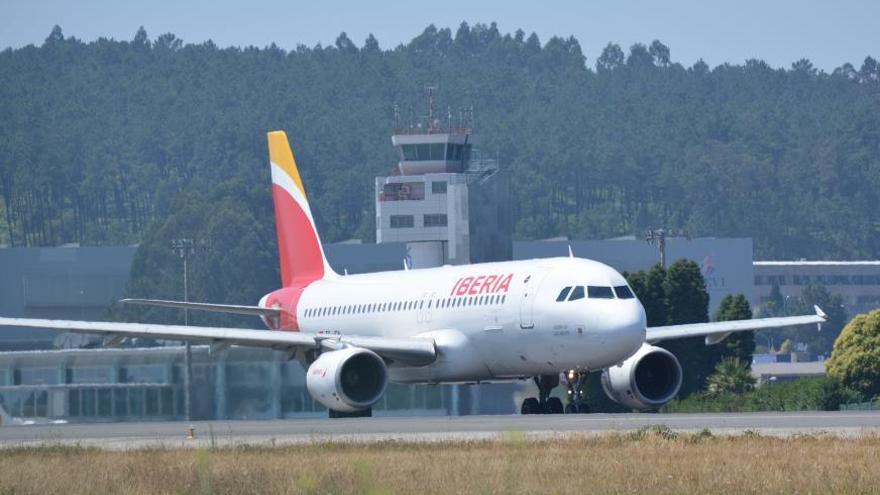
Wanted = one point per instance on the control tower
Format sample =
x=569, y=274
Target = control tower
x=444, y=199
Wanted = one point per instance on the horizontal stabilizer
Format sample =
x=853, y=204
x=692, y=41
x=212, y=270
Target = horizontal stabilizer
x=216, y=308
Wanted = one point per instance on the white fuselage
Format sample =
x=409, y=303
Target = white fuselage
x=489, y=321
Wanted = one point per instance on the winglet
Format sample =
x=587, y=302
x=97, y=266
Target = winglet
x=820, y=314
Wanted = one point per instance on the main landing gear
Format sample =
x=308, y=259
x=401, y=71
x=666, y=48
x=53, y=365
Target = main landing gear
x=544, y=404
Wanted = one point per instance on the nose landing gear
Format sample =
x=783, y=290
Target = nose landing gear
x=574, y=380
x=544, y=404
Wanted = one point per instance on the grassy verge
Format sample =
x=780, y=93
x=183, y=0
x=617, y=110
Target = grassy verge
x=650, y=461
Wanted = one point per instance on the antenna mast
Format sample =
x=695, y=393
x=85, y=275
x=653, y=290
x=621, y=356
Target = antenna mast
x=430, y=89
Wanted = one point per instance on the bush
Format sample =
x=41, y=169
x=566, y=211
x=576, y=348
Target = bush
x=806, y=394
x=855, y=360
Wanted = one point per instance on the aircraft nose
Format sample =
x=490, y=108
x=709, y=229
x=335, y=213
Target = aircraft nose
x=632, y=323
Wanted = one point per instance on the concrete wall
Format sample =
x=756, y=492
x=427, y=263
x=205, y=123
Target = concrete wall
x=67, y=282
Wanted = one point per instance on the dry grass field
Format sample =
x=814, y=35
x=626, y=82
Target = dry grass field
x=653, y=461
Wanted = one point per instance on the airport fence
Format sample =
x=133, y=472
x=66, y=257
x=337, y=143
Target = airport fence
x=862, y=406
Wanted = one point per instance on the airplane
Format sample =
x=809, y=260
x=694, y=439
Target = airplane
x=514, y=320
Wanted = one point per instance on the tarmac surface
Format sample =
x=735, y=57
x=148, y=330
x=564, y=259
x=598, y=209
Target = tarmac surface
x=123, y=436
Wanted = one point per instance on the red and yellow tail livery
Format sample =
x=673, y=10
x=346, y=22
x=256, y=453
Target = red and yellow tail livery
x=299, y=246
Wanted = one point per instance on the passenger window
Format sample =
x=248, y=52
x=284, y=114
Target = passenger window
x=563, y=294
x=596, y=292
x=577, y=293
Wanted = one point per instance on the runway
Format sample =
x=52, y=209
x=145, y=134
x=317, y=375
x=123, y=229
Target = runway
x=294, y=431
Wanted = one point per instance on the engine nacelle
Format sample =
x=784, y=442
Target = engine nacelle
x=648, y=379
x=348, y=380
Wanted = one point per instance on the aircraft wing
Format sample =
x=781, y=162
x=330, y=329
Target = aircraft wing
x=409, y=351
x=218, y=308
x=716, y=331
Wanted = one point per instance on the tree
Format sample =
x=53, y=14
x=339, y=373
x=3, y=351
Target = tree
x=732, y=375
x=639, y=56
x=775, y=305
x=785, y=156
x=739, y=345
x=688, y=302
x=686, y=295
x=855, y=360
x=611, y=58
x=650, y=290
x=660, y=52
x=677, y=296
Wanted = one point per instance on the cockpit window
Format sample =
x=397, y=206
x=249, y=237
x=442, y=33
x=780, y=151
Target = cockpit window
x=596, y=292
x=577, y=293
x=562, y=295
x=623, y=292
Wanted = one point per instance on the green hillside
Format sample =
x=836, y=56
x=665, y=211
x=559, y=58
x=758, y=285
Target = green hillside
x=98, y=140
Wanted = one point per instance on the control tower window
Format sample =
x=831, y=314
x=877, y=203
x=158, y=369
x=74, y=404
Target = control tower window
x=458, y=152
x=409, y=152
x=402, y=191
x=402, y=221
x=438, y=151
x=423, y=152
x=438, y=187
x=435, y=220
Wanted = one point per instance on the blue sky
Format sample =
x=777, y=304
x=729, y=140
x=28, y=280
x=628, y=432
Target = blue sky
x=777, y=31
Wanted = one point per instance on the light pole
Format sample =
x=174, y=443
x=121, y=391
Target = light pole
x=658, y=237
x=184, y=247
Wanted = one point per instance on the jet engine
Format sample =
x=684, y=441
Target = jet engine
x=648, y=379
x=347, y=380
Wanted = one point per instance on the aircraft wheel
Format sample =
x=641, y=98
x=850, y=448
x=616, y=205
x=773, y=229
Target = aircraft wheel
x=531, y=406
x=571, y=409
x=553, y=406
x=583, y=408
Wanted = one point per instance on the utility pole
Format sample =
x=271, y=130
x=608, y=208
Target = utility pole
x=184, y=247
x=657, y=237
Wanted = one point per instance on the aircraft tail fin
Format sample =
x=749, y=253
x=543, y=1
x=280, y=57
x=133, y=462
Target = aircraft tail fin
x=299, y=246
